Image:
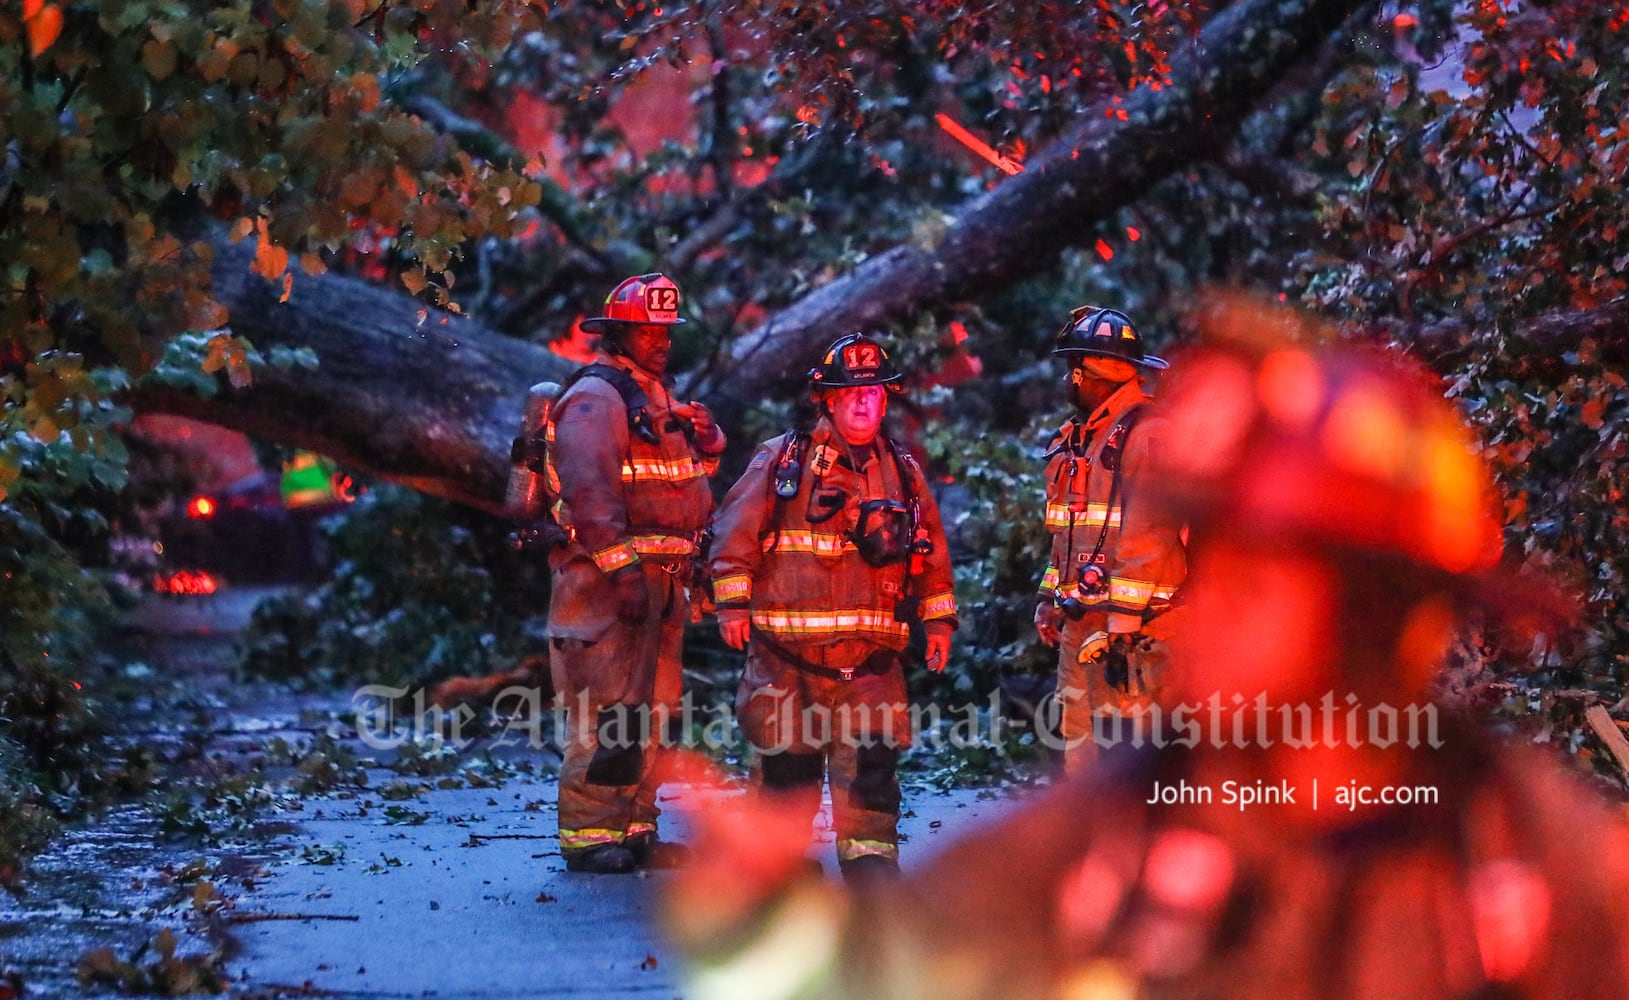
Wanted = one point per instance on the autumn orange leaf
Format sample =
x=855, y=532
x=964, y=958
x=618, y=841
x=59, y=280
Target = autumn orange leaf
x=43, y=29
x=270, y=260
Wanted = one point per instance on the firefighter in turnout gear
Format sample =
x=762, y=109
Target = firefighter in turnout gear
x=826, y=548
x=630, y=466
x=1343, y=528
x=1116, y=563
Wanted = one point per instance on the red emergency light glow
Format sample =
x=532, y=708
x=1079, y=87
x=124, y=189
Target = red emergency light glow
x=1005, y=164
x=200, y=508
x=186, y=581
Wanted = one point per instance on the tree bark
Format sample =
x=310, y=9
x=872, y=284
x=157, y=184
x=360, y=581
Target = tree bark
x=412, y=395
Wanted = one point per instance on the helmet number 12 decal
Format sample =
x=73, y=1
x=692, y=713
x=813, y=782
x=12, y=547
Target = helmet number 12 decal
x=662, y=299
x=861, y=357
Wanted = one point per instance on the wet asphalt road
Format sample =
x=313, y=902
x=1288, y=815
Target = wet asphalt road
x=437, y=881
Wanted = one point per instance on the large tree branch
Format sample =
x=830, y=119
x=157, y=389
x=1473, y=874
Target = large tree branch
x=1538, y=348
x=1019, y=228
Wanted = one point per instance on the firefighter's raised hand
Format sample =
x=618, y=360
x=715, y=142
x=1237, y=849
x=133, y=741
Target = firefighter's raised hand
x=735, y=625
x=708, y=436
x=1049, y=622
x=632, y=595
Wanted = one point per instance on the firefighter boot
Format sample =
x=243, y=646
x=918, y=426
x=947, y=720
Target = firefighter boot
x=651, y=852
x=869, y=868
x=601, y=859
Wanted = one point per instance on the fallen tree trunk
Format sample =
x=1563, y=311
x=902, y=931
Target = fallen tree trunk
x=418, y=397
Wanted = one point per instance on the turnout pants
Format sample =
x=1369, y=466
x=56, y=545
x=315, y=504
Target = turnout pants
x=807, y=727
x=1094, y=713
x=620, y=693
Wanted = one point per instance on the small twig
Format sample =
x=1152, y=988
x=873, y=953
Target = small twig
x=255, y=918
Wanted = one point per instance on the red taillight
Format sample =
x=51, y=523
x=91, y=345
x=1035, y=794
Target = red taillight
x=200, y=508
x=185, y=581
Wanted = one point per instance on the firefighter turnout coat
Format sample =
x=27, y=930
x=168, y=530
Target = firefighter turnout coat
x=795, y=562
x=625, y=500
x=1092, y=465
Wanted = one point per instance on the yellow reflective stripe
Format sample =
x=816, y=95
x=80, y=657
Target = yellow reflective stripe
x=848, y=850
x=576, y=840
x=613, y=558
x=1137, y=593
x=732, y=588
x=938, y=606
x=1133, y=592
x=806, y=541
x=800, y=623
x=674, y=471
x=1058, y=515
x=638, y=827
x=663, y=545
x=1049, y=582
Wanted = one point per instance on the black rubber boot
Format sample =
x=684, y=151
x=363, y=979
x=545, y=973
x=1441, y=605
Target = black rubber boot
x=869, y=867
x=649, y=851
x=601, y=859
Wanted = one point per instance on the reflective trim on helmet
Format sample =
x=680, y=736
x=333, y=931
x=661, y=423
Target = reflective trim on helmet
x=677, y=470
x=849, y=620
x=938, y=606
x=576, y=840
x=848, y=850
x=727, y=589
x=614, y=557
x=1059, y=515
x=806, y=541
